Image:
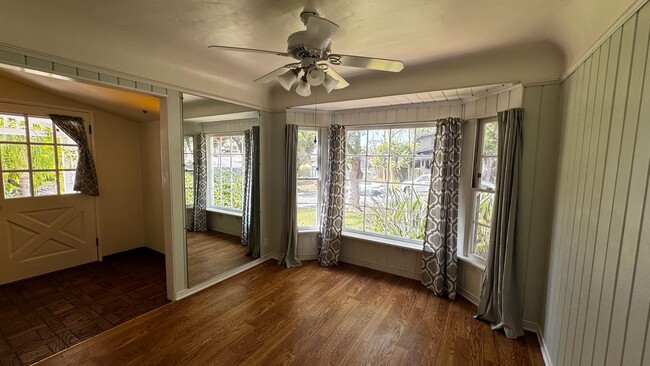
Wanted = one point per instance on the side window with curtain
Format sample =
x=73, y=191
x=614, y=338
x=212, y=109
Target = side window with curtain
x=188, y=161
x=36, y=157
x=308, y=176
x=483, y=187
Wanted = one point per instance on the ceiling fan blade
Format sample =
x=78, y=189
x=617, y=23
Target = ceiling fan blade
x=342, y=83
x=273, y=74
x=367, y=62
x=320, y=32
x=252, y=50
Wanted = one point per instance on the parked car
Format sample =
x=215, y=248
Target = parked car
x=419, y=184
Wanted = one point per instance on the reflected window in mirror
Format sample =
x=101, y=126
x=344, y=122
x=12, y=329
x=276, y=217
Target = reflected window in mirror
x=226, y=172
x=188, y=162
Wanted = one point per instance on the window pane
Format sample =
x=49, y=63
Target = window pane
x=40, y=129
x=378, y=142
x=418, y=222
x=13, y=157
x=482, y=241
x=308, y=166
x=68, y=156
x=377, y=169
x=424, y=141
x=353, y=217
x=490, y=139
x=236, y=144
x=398, y=199
x=355, y=192
x=422, y=166
x=357, y=142
x=66, y=181
x=13, y=128
x=42, y=157
x=400, y=169
x=189, y=187
x=375, y=195
x=375, y=220
x=63, y=138
x=237, y=190
x=485, y=204
x=16, y=184
x=488, y=173
x=307, y=192
x=307, y=215
x=217, y=188
x=45, y=183
x=188, y=145
x=216, y=145
x=225, y=145
x=401, y=143
x=355, y=168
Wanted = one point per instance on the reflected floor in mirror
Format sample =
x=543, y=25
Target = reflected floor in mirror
x=211, y=253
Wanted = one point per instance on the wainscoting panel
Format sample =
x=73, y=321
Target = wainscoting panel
x=598, y=294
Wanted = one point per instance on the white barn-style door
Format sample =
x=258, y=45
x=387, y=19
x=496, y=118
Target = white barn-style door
x=44, y=225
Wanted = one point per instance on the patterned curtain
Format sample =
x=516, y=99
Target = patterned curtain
x=199, y=214
x=289, y=241
x=251, y=211
x=439, y=268
x=499, y=303
x=248, y=192
x=333, y=197
x=85, y=180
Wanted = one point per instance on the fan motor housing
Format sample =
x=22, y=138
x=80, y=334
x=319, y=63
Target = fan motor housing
x=299, y=49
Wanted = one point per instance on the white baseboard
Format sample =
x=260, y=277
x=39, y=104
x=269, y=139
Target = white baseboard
x=535, y=328
x=466, y=294
x=380, y=267
x=203, y=285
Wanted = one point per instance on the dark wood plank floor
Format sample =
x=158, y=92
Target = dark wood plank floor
x=211, y=253
x=270, y=315
x=46, y=314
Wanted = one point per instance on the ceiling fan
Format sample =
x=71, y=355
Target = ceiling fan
x=312, y=48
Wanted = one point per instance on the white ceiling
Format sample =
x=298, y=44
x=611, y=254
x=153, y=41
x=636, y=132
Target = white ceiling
x=450, y=95
x=126, y=104
x=166, y=40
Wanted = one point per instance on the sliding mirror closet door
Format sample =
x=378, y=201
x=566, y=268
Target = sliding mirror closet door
x=221, y=161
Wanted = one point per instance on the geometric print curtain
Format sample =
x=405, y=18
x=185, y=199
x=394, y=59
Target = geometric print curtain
x=439, y=269
x=199, y=214
x=333, y=197
x=85, y=180
x=247, y=196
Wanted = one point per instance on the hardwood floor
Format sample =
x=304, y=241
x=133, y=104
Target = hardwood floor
x=46, y=314
x=309, y=315
x=211, y=253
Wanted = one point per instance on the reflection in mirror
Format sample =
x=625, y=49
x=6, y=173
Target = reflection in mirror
x=221, y=186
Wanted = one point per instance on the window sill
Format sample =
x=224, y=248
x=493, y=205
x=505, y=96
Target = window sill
x=383, y=241
x=224, y=212
x=308, y=230
x=474, y=262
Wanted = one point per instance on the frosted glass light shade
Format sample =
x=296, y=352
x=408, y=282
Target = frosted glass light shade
x=303, y=89
x=315, y=75
x=329, y=83
x=287, y=79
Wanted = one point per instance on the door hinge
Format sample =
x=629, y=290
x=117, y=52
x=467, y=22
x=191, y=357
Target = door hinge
x=97, y=242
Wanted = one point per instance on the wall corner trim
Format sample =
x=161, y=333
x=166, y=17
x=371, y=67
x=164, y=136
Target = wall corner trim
x=535, y=328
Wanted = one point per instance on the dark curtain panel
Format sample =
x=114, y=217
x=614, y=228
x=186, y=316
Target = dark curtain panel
x=252, y=193
x=85, y=180
x=248, y=188
x=289, y=242
x=333, y=199
x=499, y=303
x=199, y=215
x=439, y=268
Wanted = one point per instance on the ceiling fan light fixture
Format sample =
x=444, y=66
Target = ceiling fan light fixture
x=329, y=83
x=303, y=89
x=315, y=75
x=287, y=79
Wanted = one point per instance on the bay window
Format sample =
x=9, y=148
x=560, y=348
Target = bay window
x=308, y=185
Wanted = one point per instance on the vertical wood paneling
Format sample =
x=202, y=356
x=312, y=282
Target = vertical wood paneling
x=598, y=297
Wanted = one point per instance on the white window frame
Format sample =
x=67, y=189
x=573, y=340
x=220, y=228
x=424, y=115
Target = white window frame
x=321, y=154
x=36, y=113
x=372, y=235
x=210, y=191
x=470, y=219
